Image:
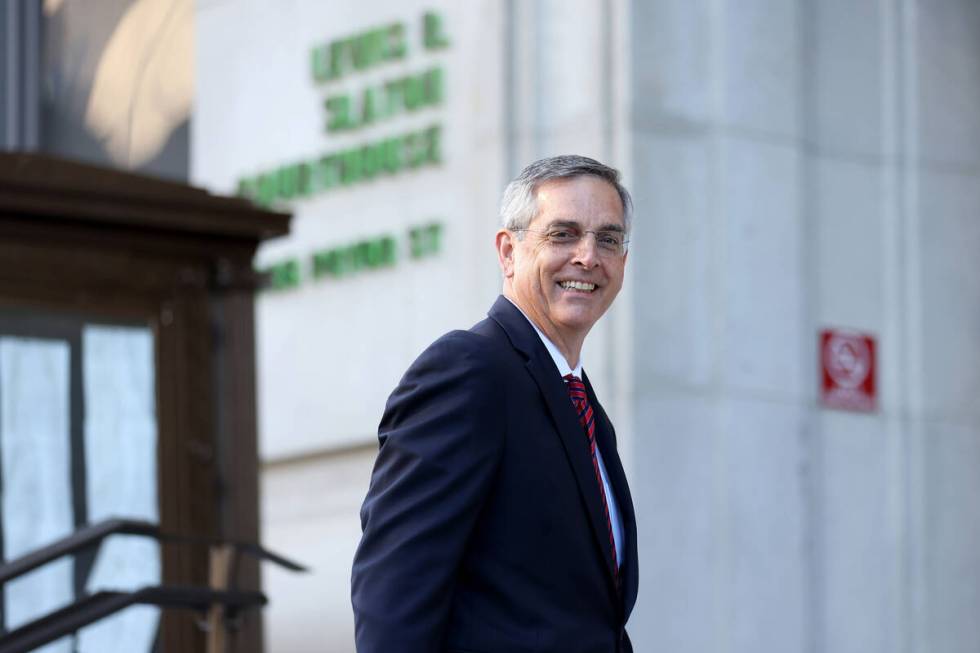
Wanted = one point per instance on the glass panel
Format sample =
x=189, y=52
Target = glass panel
x=118, y=83
x=36, y=485
x=121, y=475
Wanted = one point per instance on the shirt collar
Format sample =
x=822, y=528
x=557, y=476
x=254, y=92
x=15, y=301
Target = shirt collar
x=564, y=369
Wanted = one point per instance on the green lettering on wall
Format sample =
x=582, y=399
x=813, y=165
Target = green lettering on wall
x=433, y=153
x=433, y=32
x=393, y=97
x=411, y=149
x=393, y=155
x=305, y=178
x=425, y=240
x=328, y=172
x=413, y=93
x=367, y=49
x=434, y=86
x=339, y=116
x=284, y=275
x=372, y=159
x=320, y=64
x=383, y=252
x=363, y=255
x=396, y=47
x=358, y=52
x=326, y=262
x=362, y=163
x=247, y=187
x=288, y=181
x=351, y=169
x=370, y=109
x=268, y=188
x=374, y=253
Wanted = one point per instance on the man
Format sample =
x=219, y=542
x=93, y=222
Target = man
x=498, y=519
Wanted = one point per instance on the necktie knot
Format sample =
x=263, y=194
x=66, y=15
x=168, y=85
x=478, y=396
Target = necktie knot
x=576, y=392
x=576, y=389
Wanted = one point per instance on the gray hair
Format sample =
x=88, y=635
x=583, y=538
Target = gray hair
x=519, y=204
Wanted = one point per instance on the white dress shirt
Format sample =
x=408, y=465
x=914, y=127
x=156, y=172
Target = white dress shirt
x=565, y=369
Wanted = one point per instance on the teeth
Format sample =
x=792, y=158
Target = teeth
x=577, y=285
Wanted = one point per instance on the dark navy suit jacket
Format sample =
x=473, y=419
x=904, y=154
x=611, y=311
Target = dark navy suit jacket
x=483, y=529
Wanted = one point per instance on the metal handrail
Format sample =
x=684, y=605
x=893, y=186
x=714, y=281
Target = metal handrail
x=94, y=607
x=91, y=608
x=95, y=533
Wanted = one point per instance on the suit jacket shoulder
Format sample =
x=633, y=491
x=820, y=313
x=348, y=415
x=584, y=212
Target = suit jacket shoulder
x=440, y=444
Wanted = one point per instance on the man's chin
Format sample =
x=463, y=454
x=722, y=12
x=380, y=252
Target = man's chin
x=577, y=318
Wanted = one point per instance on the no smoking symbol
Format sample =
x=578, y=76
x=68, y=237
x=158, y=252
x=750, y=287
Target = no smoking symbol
x=848, y=369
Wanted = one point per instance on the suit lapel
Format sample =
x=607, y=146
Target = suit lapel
x=574, y=441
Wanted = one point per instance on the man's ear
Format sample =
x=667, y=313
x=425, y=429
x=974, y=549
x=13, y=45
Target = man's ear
x=505, y=252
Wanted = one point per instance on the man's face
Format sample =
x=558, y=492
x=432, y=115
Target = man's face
x=538, y=273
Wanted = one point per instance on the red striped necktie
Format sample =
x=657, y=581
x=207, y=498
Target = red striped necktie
x=586, y=417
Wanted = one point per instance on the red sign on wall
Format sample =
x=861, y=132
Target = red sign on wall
x=847, y=361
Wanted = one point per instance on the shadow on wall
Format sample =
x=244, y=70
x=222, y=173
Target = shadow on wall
x=118, y=83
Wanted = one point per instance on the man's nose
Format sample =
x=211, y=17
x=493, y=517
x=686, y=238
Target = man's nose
x=587, y=250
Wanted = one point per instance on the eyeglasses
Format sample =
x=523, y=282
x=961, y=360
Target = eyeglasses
x=610, y=243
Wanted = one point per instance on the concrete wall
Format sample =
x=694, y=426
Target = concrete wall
x=806, y=165
x=721, y=408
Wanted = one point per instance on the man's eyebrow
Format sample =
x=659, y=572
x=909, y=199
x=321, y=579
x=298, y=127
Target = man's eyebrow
x=573, y=224
x=564, y=223
x=612, y=227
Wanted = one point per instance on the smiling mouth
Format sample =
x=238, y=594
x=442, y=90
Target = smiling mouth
x=577, y=286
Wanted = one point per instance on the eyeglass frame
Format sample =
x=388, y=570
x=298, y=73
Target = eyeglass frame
x=624, y=246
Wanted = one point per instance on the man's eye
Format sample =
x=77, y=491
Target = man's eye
x=610, y=240
x=562, y=235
